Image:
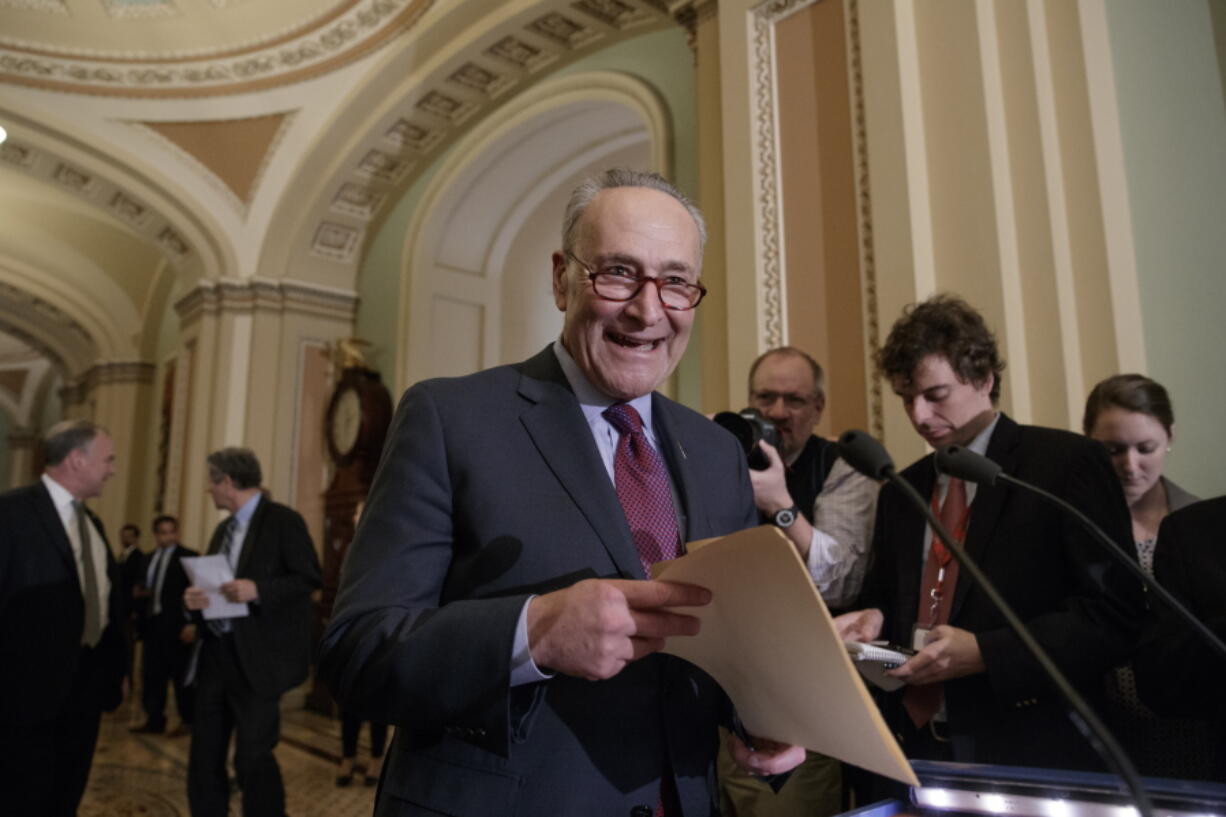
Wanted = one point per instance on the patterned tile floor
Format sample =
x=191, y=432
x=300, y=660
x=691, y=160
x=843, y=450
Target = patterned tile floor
x=146, y=775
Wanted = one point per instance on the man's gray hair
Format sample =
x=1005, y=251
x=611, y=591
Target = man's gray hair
x=67, y=436
x=239, y=464
x=624, y=177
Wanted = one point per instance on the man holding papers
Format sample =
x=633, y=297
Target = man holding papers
x=246, y=663
x=492, y=605
x=973, y=692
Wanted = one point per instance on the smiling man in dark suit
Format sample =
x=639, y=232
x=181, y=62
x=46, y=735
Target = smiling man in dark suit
x=61, y=617
x=246, y=663
x=493, y=604
x=973, y=693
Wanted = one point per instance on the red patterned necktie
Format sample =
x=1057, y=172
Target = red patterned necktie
x=937, y=594
x=646, y=497
x=643, y=488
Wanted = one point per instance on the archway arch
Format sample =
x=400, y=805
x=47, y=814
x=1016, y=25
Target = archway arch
x=474, y=271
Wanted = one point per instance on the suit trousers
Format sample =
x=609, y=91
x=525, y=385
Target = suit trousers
x=164, y=661
x=225, y=703
x=46, y=765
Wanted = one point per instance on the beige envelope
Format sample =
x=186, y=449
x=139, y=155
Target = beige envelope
x=769, y=641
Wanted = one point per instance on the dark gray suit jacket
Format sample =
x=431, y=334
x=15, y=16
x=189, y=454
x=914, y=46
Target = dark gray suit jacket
x=274, y=641
x=42, y=614
x=491, y=488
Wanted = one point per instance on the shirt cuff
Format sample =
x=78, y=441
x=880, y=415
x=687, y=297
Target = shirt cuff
x=523, y=668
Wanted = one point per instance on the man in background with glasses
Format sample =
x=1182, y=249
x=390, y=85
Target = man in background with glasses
x=826, y=508
x=493, y=603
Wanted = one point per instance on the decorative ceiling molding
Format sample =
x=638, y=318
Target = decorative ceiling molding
x=46, y=329
x=140, y=217
x=264, y=295
x=330, y=44
x=459, y=95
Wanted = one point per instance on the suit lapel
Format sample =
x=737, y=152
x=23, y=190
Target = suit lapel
x=556, y=425
x=911, y=559
x=251, y=537
x=49, y=518
x=692, y=512
x=988, y=503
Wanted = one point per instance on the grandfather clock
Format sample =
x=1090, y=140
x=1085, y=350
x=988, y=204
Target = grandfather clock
x=355, y=426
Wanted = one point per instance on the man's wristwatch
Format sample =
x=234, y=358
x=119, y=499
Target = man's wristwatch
x=784, y=518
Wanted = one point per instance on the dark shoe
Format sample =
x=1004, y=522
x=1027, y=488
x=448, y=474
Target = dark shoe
x=343, y=780
x=147, y=729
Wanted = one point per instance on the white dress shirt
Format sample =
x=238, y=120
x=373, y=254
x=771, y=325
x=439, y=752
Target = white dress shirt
x=63, y=502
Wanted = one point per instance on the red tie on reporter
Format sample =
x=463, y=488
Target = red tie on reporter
x=937, y=594
x=645, y=493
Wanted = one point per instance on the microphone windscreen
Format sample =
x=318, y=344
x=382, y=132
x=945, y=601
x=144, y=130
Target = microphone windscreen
x=865, y=454
x=963, y=463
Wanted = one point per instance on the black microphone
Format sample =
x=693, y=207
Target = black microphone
x=865, y=454
x=967, y=465
x=870, y=458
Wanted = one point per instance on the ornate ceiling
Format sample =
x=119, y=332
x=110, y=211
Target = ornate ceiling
x=156, y=143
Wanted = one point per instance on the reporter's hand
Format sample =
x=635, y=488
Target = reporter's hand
x=240, y=590
x=949, y=652
x=767, y=757
x=860, y=625
x=195, y=599
x=592, y=629
x=770, y=489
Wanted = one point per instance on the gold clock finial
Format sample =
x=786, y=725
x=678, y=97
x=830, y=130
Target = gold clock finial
x=349, y=353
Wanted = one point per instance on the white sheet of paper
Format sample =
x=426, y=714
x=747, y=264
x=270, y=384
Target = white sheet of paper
x=209, y=573
x=769, y=641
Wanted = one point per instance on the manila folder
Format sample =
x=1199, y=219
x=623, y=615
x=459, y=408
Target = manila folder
x=769, y=641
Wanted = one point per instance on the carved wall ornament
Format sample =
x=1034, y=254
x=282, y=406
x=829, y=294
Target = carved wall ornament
x=868, y=264
x=349, y=35
x=357, y=200
x=444, y=106
x=45, y=6
x=336, y=241
x=520, y=53
x=615, y=13
x=563, y=30
x=480, y=79
x=145, y=10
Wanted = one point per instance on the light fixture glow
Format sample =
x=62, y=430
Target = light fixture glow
x=1058, y=808
x=3, y=134
x=934, y=798
x=995, y=803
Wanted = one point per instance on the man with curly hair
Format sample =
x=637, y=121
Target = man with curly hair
x=972, y=692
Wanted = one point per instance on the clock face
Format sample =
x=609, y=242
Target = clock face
x=346, y=421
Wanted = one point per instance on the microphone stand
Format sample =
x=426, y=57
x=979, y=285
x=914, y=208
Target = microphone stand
x=1088, y=723
x=1136, y=569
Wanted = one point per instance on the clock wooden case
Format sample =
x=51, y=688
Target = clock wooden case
x=355, y=426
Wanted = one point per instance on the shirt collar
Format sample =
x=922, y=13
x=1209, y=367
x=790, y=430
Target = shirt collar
x=243, y=515
x=60, y=497
x=590, y=398
x=980, y=444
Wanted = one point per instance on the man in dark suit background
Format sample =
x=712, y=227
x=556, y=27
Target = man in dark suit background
x=1178, y=674
x=246, y=663
x=61, y=619
x=164, y=630
x=492, y=604
x=973, y=692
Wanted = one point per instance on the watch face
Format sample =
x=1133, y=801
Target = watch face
x=785, y=517
x=346, y=421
